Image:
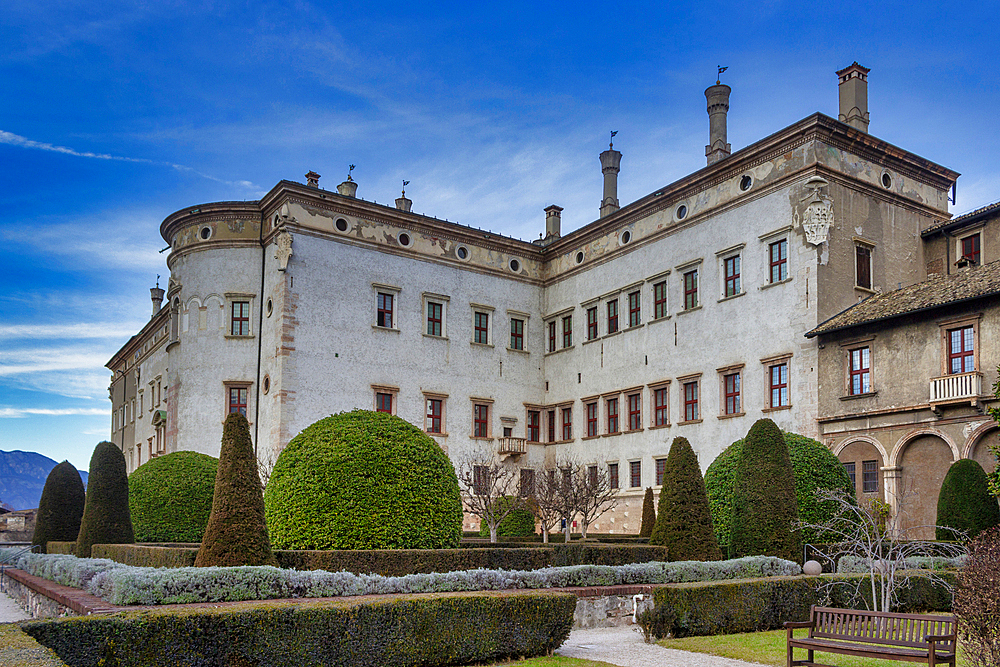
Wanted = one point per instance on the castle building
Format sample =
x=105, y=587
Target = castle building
x=684, y=313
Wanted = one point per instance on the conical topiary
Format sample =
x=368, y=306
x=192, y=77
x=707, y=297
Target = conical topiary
x=965, y=502
x=684, y=520
x=764, y=509
x=648, y=514
x=236, y=533
x=106, y=518
x=60, y=508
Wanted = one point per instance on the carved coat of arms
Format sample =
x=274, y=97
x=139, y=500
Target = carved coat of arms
x=817, y=218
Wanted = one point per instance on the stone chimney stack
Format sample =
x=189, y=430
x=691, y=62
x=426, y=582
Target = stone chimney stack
x=402, y=203
x=718, y=110
x=156, y=294
x=854, y=96
x=348, y=188
x=611, y=161
x=312, y=179
x=553, y=221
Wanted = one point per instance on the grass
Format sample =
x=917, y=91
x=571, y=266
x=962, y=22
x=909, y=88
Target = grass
x=769, y=648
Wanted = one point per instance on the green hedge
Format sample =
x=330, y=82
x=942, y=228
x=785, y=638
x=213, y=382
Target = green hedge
x=754, y=605
x=397, y=562
x=20, y=650
x=519, y=522
x=170, y=497
x=386, y=632
x=65, y=548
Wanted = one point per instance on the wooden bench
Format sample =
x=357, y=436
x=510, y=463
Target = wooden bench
x=910, y=637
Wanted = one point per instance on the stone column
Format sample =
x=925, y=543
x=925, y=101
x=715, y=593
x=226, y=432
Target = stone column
x=610, y=166
x=718, y=110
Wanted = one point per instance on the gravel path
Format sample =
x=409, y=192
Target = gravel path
x=10, y=611
x=624, y=646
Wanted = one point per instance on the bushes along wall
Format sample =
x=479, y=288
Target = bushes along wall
x=684, y=520
x=170, y=497
x=518, y=523
x=60, y=508
x=106, y=518
x=965, y=502
x=648, y=514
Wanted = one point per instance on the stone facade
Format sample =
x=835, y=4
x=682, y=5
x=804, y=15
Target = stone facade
x=682, y=313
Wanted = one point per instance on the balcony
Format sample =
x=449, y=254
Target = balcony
x=512, y=447
x=956, y=389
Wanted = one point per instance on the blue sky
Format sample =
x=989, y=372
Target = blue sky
x=115, y=115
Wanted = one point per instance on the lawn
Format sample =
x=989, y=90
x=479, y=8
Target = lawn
x=769, y=648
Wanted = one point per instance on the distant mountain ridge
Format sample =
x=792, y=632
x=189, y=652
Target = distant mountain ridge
x=22, y=478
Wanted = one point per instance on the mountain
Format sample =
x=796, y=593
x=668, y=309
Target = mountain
x=22, y=478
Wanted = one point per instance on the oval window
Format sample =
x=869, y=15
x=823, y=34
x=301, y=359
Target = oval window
x=579, y=257
x=746, y=183
x=269, y=308
x=886, y=181
x=266, y=383
x=515, y=265
x=462, y=252
x=341, y=225
x=682, y=211
x=626, y=237
x=404, y=239
x=206, y=232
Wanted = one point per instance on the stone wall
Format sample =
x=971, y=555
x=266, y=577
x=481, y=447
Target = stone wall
x=33, y=602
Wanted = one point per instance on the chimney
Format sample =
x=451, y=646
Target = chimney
x=348, y=188
x=402, y=203
x=611, y=161
x=854, y=96
x=553, y=220
x=312, y=179
x=156, y=294
x=718, y=108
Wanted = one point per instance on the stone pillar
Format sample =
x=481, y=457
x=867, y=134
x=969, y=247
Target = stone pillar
x=718, y=110
x=854, y=96
x=156, y=294
x=403, y=203
x=892, y=483
x=348, y=188
x=553, y=222
x=610, y=166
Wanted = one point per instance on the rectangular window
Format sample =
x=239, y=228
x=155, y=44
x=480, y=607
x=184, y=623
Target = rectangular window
x=731, y=388
x=612, y=316
x=869, y=476
x=238, y=400
x=591, y=419
x=732, y=270
x=635, y=474
x=552, y=336
x=634, y=309
x=660, y=300
x=592, y=323
x=961, y=350
x=383, y=402
x=691, y=290
x=592, y=476
x=239, y=323
x=634, y=412
x=661, y=468
x=516, y=334
x=481, y=420
x=660, y=405
x=778, y=257
x=613, y=475
x=552, y=425
x=690, y=401
x=863, y=255
x=434, y=406
x=612, y=404
x=567, y=423
x=851, y=472
x=434, y=311
x=779, y=385
x=526, y=485
x=534, y=416
x=567, y=331
x=861, y=376
x=480, y=480
x=970, y=249
x=482, y=328
x=384, y=318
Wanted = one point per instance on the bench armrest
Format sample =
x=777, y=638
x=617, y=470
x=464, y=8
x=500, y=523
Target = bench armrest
x=939, y=638
x=798, y=624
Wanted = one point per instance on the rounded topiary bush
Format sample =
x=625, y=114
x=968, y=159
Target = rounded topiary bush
x=518, y=523
x=815, y=467
x=170, y=497
x=106, y=518
x=60, y=508
x=363, y=480
x=965, y=502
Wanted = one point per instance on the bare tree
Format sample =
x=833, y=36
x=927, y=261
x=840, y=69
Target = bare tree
x=593, y=493
x=548, y=499
x=572, y=490
x=866, y=533
x=490, y=489
x=265, y=466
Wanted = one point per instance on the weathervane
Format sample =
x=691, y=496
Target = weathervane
x=157, y=281
x=405, y=183
x=612, y=143
x=721, y=70
x=349, y=170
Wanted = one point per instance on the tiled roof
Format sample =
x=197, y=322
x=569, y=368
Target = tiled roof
x=995, y=206
x=934, y=293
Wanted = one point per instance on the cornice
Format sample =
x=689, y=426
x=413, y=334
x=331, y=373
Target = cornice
x=210, y=245
x=162, y=317
x=223, y=210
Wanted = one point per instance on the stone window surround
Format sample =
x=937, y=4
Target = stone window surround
x=518, y=315
x=961, y=322
x=237, y=384
x=681, y=381
x=390, y=389
x=723, y=255
x=489, y=311
x=235, y=297
x=429, y=395
x=767, y=363
x=653, y=387
x=723, y=372
x=848, y=345
x=430, y=297
x=488, y=402
x=385, y=289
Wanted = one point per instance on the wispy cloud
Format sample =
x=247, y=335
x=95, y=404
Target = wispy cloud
x=23, y=142
x=74, y=331
x=41, y=360
x=18, y=413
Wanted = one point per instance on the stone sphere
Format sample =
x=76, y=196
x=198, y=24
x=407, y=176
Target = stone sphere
x=812, y=568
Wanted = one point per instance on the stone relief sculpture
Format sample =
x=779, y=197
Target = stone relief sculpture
x=283, y=249
x=817, y=216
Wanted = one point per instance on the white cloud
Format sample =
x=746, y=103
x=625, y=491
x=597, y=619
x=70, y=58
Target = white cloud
x=16, y=413
x=74, y=331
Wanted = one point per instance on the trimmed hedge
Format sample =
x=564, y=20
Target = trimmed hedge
x=684, y=521
x=18, y=649
x=518, y=523
x=754, y=605
x=106, y=518
x=57, y=547
x=363, y=480
x=170, y=497
x=145, y=556
x=815, y=467
x=60, y=508
x=398, y=631
x=965, y=502
x=648, y=514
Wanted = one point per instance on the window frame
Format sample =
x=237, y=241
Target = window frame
x=430, y=417
x=552, y=336
x=690, y=397
x=435, y=319
x=612, y=416
x=516, y=334
x=567, y=423
x=242, y=319
x=567, y=331
x=240, y=391
x=867, y=470
x=659, y=470
x=660, y=402
x=859, y=372
x=533, y=425
x=864, y=264
x=523, y=318
x=430, y=300
x=635, y=474
x=690, y=282
x=612, y=308
x=379, y=310
x=383, y=389
x=481, y=327
x=732, y=285
x=732, y=391
x=593, y=419
x=660, y=308
x=777, y=375
x=481, y=416
x=634, y=308
x=634, y=411
x=975, y=256
x=550, y=425
x=613, y=473
x=592, y=331
x=228, y=386
x=963, y=354
x=779, y=263
x=244, y=299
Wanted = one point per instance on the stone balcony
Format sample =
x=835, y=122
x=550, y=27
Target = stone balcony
x=956, y=389
x=513, y=447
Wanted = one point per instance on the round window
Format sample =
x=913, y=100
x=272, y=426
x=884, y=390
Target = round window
x=266, y=384
x=269, y=308
x=404, y=239
x=886, y=181
x=515, y=265
x=206, y=232
x=746, y=183
x=626, y=237
x=462, y=252
x=579, y=257
x=341, y=225
x=682, y=211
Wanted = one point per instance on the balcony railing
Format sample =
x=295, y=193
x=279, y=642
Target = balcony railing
x=512, y=446
x=957, y=388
